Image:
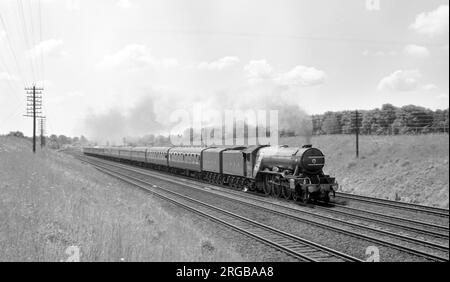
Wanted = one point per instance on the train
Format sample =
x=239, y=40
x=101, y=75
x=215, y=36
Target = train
x=290, y=173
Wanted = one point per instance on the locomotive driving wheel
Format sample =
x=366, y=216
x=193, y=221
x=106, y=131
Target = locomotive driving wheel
x=234, y=183
x=287, y=193
x=305, y=197
x=276, y=187
x=266, y=186
x=231, y=182
x=252, y=186
x=295, y=196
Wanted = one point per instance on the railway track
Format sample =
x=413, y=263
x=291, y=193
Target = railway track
x=434, y=230
x=443, y=233
x=398, y=205
x=289, y=213
x=289, y=244
x=376, y=216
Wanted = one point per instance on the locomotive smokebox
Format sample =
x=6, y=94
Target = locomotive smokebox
x=310, y=159
x=307, y=159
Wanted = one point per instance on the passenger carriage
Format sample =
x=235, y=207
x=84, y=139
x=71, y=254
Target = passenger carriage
x=157, y=157
x=186, y=160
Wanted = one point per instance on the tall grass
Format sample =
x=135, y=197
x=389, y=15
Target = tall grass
x=49, y=202
x=411, y=168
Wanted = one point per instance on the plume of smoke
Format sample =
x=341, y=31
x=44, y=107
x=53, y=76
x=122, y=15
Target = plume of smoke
x=150, y=114
x=115, y=125
x=292, y=118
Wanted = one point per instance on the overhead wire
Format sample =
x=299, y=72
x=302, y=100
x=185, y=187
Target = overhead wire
x=40, y=42
x=9, y=76
x=11, y=49
x=31, y=31
x=291, y=36
x=24, y=26
x=36, y=54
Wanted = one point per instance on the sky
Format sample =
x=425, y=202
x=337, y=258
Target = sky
x=110, y=63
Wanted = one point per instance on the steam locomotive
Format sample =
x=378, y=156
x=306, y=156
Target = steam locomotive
x=278, y=171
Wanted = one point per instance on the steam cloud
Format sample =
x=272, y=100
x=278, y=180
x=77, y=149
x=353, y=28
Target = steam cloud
x=150, y=115
x=114, y=125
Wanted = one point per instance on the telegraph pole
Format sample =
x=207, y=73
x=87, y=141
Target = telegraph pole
x=42, y=129
x=34, y=108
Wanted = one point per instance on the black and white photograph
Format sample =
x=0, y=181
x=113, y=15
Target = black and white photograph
x=224, y=138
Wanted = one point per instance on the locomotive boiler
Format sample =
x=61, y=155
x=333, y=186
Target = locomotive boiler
x=294, y=172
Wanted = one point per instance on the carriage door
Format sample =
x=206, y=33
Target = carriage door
x=248, y=165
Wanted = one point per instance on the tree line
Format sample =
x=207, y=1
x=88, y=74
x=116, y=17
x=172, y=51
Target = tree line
x=55, y=141
x=389, y=119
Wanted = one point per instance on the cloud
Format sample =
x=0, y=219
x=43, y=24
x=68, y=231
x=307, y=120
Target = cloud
x=429, y=87
x=66, y=98
x=369, y=53
x=301, y=76
x=401, y=80
x=125, y=4
x=2, y=34
x=73, y=5
x=51, y=47
x=443, y=96
x=219, y=64
x=432, y=23
x=258, y=70
x=4, y=76
x=135, y=56
x=416, y=51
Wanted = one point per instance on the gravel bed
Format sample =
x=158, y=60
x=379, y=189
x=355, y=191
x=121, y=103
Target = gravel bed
x=416, y=215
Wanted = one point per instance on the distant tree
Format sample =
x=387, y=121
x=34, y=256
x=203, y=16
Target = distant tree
x=347, y=122
x=368, y=121
x=416, y=117
x=440, y=121
x=387, y=120
x=331, y=125
x=83, y=140
x=147, y=140
x=53, y=142
x=387, y=116
x=16, y=134
x=399, y=126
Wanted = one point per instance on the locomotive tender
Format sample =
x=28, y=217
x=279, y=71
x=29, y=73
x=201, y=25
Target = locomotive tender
x=279, y=171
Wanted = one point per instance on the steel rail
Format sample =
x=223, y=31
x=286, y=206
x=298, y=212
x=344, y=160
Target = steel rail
x=338, y=229
x=290, y=244
x=399, y=205
x=406, y=227
x=408, y=220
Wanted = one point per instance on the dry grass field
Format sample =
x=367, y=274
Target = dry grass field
x=50, y=201
x=411, y=168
